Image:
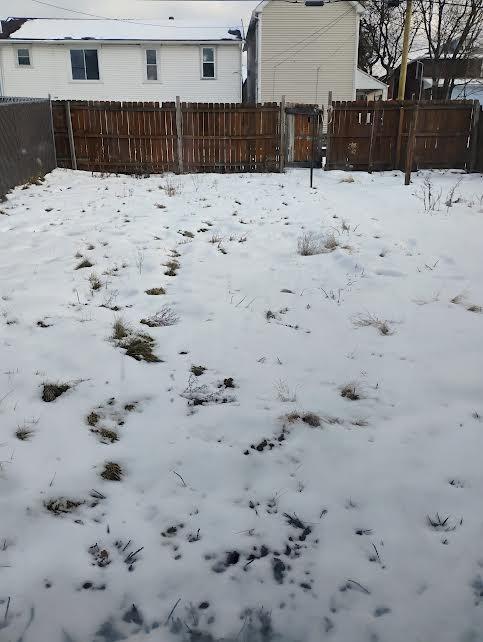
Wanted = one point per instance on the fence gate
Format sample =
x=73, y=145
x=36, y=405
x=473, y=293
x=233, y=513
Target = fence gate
x=303, y=123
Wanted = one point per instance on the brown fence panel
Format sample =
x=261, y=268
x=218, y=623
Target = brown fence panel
x=26, y=141
x=374, y=135
x=478, y=152
x=142, y=136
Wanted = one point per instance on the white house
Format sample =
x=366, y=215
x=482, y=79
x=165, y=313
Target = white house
x=120, y=60
x=303, y=52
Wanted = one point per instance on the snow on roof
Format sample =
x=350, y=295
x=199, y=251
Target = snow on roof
x=58, y=29
x=366, y=81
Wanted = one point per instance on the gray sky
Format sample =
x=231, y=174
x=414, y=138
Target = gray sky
x=203, y=12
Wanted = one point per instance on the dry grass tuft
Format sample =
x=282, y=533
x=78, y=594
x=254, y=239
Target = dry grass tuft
x=156, y=291
x=173, y=266
x=284, y=393
x=24, y=433
x=62, y=505
x=311, y=419
x=112, y=471
x=350, y=391
x=457, y=299
x=360, y=421
x=474, y=308
x=85, y=263
x=166, y=316
x=330, y=243
x=95, y=281
x=369, y=320
x=120, y=329
x=92, y=418
x=347, y=179
x=140, y=346
x=309, y=244
x=197, y=370
x=50, y=391
x=105, y=435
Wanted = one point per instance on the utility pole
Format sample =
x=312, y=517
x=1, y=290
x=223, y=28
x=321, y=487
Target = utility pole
x=405, y=51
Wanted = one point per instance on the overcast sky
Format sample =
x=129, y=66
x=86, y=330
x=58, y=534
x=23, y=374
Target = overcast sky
x=203, y=12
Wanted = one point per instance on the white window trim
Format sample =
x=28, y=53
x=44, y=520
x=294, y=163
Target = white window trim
x=145, y=65
x=17, y=64
x=215, y=61
x=87, y=80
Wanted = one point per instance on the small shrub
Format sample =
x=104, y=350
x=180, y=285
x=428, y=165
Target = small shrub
x=156, y=291
x=270, y=315
x=95, y=281
x=474, y=308
x=170, y=187
x=62, y=505
x=166, y=316
x=429, y=196
x=198, y=370
x=112, y=471
x=85, y=263
x=120, y=329
x=51, y=391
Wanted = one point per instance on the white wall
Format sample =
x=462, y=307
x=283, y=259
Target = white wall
x=122, y=73
x=308, y=51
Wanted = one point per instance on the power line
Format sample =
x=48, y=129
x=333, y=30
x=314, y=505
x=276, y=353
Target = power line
x=122, y=20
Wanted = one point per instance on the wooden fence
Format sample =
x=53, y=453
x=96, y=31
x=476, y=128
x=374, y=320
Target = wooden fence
x=149, y=137
x=404, y=135
x=140, y=137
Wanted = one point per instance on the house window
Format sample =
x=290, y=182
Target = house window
x=208, y=62
x=85, y=65
x=23, y=57
x=151, y=64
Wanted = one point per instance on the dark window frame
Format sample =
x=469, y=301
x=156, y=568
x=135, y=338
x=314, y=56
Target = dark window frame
x=84, y=65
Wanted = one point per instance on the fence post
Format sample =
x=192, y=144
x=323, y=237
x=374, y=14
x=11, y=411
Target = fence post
x=282, y=135
x=329, y=122
x=474, y=137
x=411, y=145
x=399, y=137
x=373, y=138
x=52, y=130
x=179, y=134
x=73, y=158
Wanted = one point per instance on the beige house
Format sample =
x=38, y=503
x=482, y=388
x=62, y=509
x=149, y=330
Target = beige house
x=302, y=52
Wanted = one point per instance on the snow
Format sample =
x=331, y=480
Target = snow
x=364, y=562
x=97, y=29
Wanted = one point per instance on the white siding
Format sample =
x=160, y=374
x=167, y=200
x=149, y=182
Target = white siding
x=296, y=40
x=122, y=73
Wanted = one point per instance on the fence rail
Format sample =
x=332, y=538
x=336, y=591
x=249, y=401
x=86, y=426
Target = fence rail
x=404, y=135
x=26, y=141
x=155, y=137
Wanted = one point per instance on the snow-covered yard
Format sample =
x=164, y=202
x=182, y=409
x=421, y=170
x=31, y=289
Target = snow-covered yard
x=299, y=458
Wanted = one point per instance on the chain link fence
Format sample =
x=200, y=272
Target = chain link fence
x=26, y=140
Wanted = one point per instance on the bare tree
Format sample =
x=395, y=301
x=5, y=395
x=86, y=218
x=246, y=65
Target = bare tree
x=381, y=35
x=452, y=31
